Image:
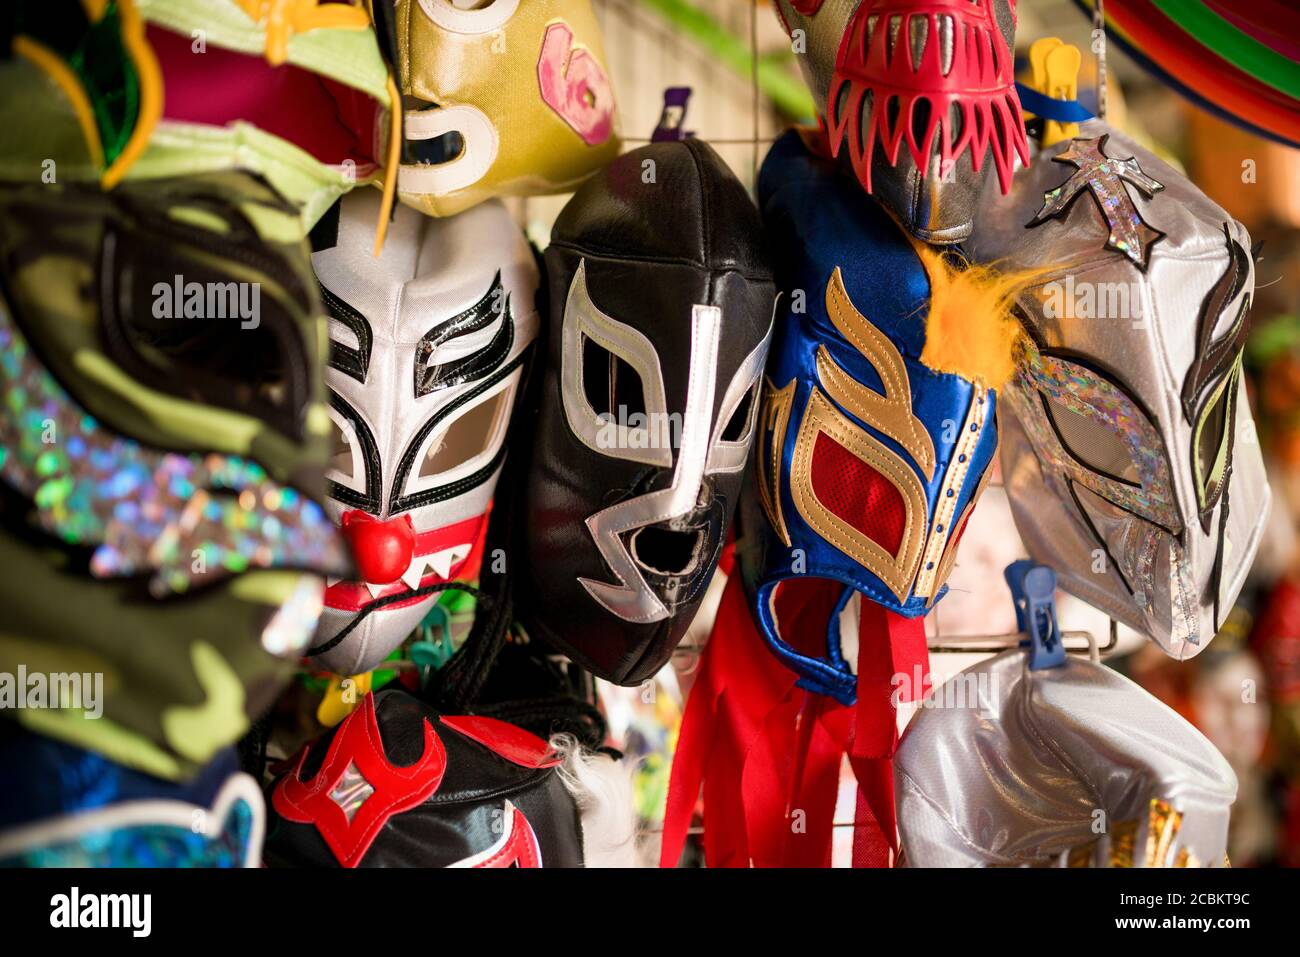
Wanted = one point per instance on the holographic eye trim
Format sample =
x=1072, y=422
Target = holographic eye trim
x=1086, y=393
x=1104, y=178
x=186, y=518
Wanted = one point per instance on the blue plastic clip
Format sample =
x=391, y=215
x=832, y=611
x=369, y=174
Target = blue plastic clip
x=1033, y=589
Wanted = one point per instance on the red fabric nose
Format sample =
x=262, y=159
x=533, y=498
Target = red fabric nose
x=383, y=550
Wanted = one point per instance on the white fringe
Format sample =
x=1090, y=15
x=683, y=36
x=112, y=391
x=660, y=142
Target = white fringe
x=602, y=788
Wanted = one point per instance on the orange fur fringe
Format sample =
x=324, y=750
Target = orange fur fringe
x=971, y=330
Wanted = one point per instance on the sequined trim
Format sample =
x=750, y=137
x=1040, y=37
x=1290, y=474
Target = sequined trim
x=1104, y=178
x=187, y=518
x=1084, y=392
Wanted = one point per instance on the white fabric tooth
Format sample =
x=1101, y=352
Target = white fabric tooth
x=441, y=562
x=374, y=589
x=331, y=580
x=414, y=573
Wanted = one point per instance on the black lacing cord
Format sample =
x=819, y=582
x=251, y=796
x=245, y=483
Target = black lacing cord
x=387, y=600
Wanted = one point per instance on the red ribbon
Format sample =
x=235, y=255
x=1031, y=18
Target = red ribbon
x=768, y=754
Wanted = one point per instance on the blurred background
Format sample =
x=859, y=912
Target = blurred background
x=1244, y=691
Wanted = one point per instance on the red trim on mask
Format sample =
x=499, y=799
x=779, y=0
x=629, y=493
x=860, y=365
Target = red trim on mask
x=354, y=596
x=505, y=740
x=980, y=83
x=520, y=848
x=396, y=789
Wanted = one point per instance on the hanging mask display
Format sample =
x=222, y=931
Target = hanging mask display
x=296, y=92
x=877, y=426
x=1131, y=466
x=67, y=807
x=1017, y=773
x=504, y=98
x=398, y=785
x=660, y=332
x=428, y=345
x=918, y=96
x=165, y=436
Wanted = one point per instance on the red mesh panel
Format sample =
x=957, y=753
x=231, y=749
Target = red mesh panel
x=856, y=493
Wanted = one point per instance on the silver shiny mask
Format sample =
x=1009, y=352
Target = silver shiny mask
x=1073, y=766
x=427, y=351
x=1130, y=455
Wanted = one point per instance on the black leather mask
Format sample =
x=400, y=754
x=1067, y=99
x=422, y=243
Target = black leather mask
x=398, y=785
x=663, y=299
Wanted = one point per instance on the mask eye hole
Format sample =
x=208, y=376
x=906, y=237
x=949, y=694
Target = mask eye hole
x=737, y=427
x=341, y=454
x=1090, y=442
x=611, y=385
x=443, y=148
x=467, y=436
x=1211, y=442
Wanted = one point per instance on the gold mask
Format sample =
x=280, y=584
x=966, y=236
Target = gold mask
x=505, y=99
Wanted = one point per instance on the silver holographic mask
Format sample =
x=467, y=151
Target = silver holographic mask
x=1130, y=456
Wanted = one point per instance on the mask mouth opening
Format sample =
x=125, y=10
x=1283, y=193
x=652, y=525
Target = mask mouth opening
x=667, y=551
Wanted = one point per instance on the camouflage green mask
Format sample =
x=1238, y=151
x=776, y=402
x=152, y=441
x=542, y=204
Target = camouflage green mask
x=162, y=444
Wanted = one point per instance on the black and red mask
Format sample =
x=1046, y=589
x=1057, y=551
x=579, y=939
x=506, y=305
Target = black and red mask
x=398, y=785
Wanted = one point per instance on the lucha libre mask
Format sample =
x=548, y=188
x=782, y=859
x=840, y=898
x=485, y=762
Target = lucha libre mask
x=296, y=92
x=869, y=459
x=428, y=348
x=1131, y=465
x=656, y=351
x=1013, y=772
x=164, y=437
x=504, y=98
x=68, y=807
x=398, y=785
x=916, y=94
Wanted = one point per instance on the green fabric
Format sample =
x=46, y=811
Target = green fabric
x=95, y=53
x=185, y=149
x=43, y=139
x=1240, y=49
x=183, y=675
x=58, y=233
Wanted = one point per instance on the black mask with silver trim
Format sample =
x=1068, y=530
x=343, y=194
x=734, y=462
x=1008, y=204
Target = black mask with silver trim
x=648, y=405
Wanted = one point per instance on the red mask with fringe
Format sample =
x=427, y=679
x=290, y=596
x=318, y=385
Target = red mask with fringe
x=937, y=71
